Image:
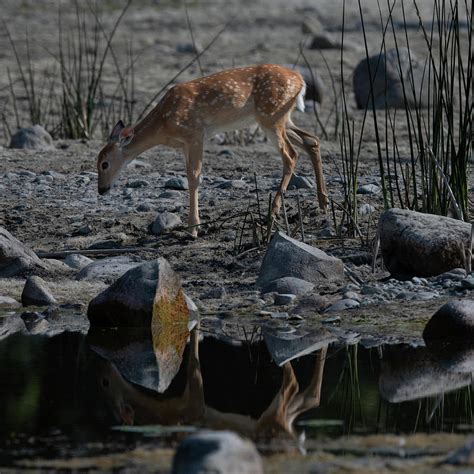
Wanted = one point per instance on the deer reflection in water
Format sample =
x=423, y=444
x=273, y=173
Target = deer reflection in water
x=133, y=406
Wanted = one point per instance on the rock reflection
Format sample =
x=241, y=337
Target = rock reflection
x=409, y=373
x=132, y=405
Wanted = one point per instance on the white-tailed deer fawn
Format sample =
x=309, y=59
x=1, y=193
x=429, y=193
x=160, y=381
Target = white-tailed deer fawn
x=228, y=100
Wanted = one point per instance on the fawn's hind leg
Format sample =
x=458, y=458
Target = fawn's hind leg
x=278, y=135
x=310, y=144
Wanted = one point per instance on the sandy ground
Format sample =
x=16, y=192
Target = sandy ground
x=47, y=214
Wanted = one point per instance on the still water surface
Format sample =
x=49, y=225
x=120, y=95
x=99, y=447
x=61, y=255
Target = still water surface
x=113, y=389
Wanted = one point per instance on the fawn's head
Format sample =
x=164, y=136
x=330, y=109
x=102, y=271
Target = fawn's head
x=111, y=158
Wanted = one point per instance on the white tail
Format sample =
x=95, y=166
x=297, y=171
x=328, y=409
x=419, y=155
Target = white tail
x=227, y=100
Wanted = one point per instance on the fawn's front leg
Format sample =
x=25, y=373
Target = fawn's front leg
x=194, y=153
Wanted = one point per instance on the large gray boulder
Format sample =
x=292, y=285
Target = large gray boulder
x=219, y=452
x=15, y=257
x=130, y=300
x=388, y=72
x=32, y=138
x=416, y=244
x=287, y=257
x=36, y=293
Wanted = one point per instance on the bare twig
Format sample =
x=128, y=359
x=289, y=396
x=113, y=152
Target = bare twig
x=285, y=216
x=300, y=217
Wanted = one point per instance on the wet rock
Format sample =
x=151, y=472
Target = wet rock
x=165, y=222
x=387, y=83
x=284, y=299
x=219, y=452
x=177, y=182
x=77, y=261
x=32, y=138
x=108, y=269
x=7, y=302
x=368, y=189
x=36, y=293
x=454, y=320
x=287, y=257
x=129, y=301
x=416, y=244
x=342, y=305
x=288, y=285
x=299, y=182
x=15, y=257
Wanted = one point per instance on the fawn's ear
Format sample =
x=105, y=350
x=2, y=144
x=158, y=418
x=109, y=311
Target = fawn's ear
x=126, y=136
x=115, y=134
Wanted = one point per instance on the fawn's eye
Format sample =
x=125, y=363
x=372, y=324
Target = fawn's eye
x=105, y=165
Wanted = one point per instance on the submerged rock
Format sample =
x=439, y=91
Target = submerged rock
x=416, y=244
x=15, y=257
x=32, y=138
x=36, y=293
x=219, y=452
x=287, y=257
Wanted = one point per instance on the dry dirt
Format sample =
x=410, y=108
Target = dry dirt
x=47, y=216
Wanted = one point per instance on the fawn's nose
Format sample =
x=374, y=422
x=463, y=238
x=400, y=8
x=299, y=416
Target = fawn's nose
x=104, y=190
